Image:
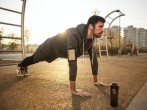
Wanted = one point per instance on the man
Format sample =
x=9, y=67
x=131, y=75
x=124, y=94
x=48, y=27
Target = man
x=70, y=44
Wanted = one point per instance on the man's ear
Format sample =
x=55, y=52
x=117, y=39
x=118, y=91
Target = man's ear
x=90, y=26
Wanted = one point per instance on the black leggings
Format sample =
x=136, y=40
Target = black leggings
x=27, y=61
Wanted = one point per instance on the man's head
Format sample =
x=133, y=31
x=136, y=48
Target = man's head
x=95, y=26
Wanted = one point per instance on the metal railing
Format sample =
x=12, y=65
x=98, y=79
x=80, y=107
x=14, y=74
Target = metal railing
x=107, y=33
x=22, y=13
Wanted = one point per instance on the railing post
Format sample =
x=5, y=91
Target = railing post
x=22, y=29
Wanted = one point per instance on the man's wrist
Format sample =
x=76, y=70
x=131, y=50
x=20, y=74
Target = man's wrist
x=72, y=86
x=95, y=78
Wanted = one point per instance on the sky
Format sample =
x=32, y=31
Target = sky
x=46, y=18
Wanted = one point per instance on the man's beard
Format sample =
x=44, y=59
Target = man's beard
x=97, y=35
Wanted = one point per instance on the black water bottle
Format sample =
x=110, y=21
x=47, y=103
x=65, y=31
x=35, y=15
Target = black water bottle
x=114, y=94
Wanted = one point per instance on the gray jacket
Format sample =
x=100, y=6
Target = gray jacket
x=57, y=46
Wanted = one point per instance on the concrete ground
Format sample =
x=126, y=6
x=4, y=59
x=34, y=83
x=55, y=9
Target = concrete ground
x=139, y=102
x=47, y=88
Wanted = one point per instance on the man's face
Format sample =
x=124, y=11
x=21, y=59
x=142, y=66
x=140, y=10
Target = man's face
x=98, y=29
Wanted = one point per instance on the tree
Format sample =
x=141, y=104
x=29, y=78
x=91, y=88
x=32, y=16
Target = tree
x=13, y=42
x=12, y=45
x=1, y=34
x=115, y=36
x=26, y=37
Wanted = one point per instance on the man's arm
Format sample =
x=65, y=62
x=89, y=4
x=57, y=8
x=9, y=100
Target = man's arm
x=94, y=66
x=72, y=78
x=72, y=44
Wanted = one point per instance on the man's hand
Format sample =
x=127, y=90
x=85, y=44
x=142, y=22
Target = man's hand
x=98, y=83
x=79, y=92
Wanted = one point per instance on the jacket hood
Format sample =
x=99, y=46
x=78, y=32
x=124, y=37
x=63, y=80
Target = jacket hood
x=82, y=30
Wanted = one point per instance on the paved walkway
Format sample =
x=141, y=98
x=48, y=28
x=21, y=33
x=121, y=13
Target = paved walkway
x=47, y=88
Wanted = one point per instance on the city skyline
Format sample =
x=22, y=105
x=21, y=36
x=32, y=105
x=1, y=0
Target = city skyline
x=47, y=18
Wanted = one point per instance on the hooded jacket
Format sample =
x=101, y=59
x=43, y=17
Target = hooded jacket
x=58, y=46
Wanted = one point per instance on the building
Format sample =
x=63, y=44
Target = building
x=141, y=37
x=138, y=36
x=130, y=35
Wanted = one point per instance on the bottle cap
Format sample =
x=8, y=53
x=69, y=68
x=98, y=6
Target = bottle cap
x=113, y=84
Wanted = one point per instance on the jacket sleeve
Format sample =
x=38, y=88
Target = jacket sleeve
x=94, y=66
x=72, y=44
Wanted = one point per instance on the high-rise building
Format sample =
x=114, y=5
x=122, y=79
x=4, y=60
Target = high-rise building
x=129, y=34
x=141, y=35
x=138, y=36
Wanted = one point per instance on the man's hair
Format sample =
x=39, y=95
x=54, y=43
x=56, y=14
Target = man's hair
x=94, y=19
